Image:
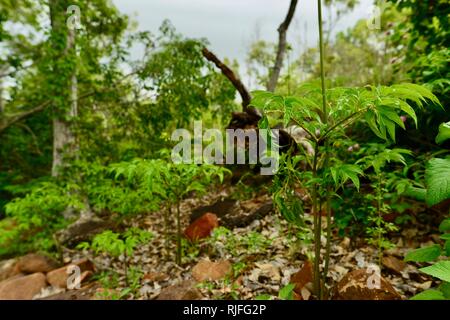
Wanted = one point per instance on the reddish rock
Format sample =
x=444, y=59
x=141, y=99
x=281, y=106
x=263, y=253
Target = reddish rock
x=58, y=278
x=302, y=278
x=34, y=263
x=22, y=287
x=358, y=285
x=210, y=271
x=202, y=227
x=186, y=290
x=8, y=269
x=393, y=264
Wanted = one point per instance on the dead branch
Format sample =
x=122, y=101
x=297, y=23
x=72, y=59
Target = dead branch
x=236, y=82
x=282, y=44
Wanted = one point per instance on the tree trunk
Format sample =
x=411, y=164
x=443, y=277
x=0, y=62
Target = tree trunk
x=64, y=142
x=282, y=44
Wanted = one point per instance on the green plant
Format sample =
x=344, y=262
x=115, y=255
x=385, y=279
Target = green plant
x=189, y=249
x=33, y=219
x=437, y=177
x=324, y=115
x=287, y=292
x=378, y=107
x=440, y=269
x=171, y=183
x=117, y=244
x=379, y=227
x=238, y=268
x=255, y=242
x=223, y=242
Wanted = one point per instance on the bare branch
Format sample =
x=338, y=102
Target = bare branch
x=236, y=82
x=9, y=121
x=227, y=72
x=282, y=44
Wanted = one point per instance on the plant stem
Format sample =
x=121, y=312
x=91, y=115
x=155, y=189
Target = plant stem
x=126, y=268
x=178, y=258
x=326, y=164
x=379, y=205
x=341, y=123
x=322, y=71
x=317, y=226
x=167, y=216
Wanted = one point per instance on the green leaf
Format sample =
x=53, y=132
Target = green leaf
x=445, y=236
x=286, y=293
x=437, y=178
x=424, y=92
x=440, y=270
x=371, y=118
x=445, y=289
x=416, y=193
x=447, y=247
x=263, y=297
x=424, y=254
x=444, y=133
x=431, y=294
x=342, y=173
x=445, y=225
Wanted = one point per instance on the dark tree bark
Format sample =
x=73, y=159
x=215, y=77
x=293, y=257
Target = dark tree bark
x=251, y=115
x=282, y=44
x=234, y=79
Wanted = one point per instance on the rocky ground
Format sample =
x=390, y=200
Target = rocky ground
x=254, y=258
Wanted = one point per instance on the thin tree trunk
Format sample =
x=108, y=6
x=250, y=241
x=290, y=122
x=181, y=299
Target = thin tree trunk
x=64, y=142
x=282, y=45
x=178, y=258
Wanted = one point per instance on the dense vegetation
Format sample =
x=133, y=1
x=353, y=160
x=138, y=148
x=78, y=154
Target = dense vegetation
x=85, y=133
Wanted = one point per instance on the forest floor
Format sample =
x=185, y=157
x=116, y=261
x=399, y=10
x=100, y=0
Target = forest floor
x=251, y=262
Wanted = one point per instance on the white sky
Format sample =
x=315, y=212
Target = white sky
x=230, y=25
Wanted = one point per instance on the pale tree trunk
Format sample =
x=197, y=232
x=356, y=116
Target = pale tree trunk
x=64, y=142
x=282, y=45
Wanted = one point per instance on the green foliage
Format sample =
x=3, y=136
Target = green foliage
x=109, y=281
x=117, y=244
x=440, y=270
x=287, y=292
x=430, y=294
x=437, y=177
x=286, y=201
x=427, y=254
x=35, y=217
x=225, y=242
x=444, y=133
x=255, y=242
x=169, y=182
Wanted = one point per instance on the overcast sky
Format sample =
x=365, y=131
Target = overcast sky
x=230, y=25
